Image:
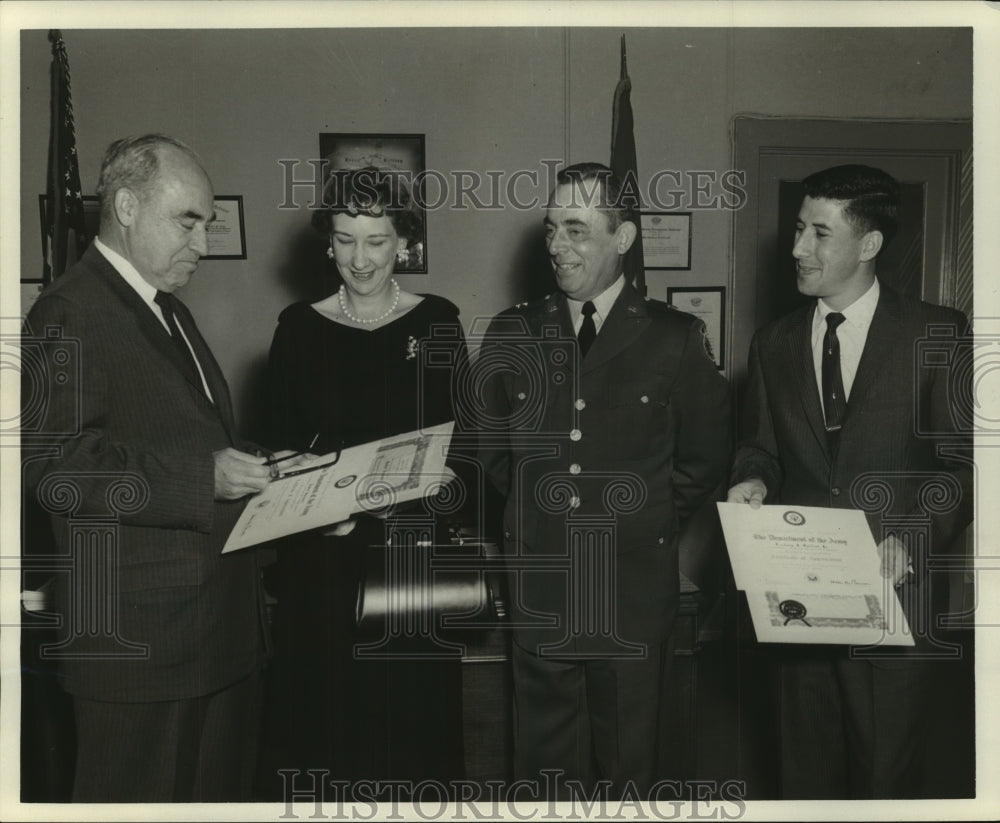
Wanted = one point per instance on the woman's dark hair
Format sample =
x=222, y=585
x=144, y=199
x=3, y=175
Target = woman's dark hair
x=372, y=192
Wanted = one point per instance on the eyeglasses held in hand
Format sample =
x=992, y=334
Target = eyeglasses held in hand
x=324, y=465
x=275, y=460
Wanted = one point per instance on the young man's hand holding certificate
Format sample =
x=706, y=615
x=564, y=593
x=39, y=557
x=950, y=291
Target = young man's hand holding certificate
x=326, y=490
x=812, y=575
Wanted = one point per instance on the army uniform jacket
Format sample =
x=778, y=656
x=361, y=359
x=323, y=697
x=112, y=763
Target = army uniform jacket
x=598, y=461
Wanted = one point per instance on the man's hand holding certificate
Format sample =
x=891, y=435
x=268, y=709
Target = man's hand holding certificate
x=325, y=490
x=812, y=575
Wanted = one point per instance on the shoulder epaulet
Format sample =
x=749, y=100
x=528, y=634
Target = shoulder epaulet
x=657, y=308
x=538, y=304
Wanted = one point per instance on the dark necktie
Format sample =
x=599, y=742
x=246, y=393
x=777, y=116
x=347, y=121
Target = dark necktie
x=588, y=331
x=165, y=301
x=834, y=401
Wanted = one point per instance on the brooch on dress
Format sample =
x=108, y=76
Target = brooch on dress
x=411, y=347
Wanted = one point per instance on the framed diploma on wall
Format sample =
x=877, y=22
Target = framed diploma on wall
x=666, y=239
x=709, y=304
x=226, y=235
x=402, y=154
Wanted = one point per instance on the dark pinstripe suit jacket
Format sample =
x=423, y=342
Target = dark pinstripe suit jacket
x=900, y=455
x=135, y=438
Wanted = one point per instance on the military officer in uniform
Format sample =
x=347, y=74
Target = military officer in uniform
x=605, y=425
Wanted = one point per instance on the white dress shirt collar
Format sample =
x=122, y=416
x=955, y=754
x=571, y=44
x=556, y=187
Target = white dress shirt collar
x=147, y=292
x=131, y=276
x=859, y=314
x=852, y=335
x=602, y=305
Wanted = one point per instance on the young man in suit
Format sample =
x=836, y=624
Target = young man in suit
x=164, y=636
x=606, y=424
x=841, y=411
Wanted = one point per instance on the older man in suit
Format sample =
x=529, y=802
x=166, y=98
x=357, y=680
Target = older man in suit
x=842, y=411
x=606, y=424
x=165, y=684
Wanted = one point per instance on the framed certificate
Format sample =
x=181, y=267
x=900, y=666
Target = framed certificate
x=666, y=239
x=226, y=237
x=709, y=304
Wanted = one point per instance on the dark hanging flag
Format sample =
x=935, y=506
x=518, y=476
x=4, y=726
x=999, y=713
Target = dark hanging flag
x=623, y=164
x=64, y=198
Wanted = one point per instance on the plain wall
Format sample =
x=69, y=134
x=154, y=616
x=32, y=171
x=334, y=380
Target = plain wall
x=485, y=99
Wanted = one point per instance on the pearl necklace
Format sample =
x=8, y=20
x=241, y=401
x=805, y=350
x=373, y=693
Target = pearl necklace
x=367, y=321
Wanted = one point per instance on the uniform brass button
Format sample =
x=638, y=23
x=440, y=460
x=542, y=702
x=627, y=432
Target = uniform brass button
x=575, y=435
x=644, y=399
x=521, y=395
x=580, y=404
x=574, y=502
x=835, y=491
x=574, y=469
x=660, y=540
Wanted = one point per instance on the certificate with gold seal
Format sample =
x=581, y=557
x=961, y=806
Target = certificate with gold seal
x=812, y=575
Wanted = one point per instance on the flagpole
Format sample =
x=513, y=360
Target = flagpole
x=64, y=196
x=623, y=72
x=624, y=165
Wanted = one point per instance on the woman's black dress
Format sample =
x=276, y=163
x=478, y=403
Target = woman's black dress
x=359, y=718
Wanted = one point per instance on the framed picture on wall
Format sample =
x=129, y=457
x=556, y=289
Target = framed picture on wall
x=709, y=304
x=401, y=153
x=226, y=235
x=666, y=239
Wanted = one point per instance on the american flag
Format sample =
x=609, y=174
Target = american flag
x=623, y=164
x=64, y=197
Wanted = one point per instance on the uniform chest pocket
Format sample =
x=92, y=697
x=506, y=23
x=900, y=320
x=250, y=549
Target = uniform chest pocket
x=639, y=419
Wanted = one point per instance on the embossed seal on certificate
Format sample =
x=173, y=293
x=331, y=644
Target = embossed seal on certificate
x=793, y=610
x=793, y=518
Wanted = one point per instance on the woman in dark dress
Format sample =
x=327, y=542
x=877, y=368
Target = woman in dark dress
x=344, y=371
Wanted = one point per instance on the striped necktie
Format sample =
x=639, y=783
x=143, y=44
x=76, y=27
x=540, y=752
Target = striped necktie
x=834, y=401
